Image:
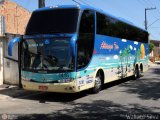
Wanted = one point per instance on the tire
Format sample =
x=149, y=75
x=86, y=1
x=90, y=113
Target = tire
x=141, y=68
x=98, y=85
x=136, y=73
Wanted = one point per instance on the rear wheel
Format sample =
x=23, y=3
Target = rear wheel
x=141, y=68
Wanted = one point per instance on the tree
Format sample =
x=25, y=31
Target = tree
x=151, y=47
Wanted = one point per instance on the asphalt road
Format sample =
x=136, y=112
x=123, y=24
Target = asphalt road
x=124, y=99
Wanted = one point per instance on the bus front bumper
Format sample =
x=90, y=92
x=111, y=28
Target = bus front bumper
x=50, y=87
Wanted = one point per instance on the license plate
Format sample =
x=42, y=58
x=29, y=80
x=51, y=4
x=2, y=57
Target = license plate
x=44, y=88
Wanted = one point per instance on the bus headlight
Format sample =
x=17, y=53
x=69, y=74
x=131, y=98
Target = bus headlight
x=65, y=80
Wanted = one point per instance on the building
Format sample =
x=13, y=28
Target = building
x=155, y=54
x=16, y=17
x=13, y=21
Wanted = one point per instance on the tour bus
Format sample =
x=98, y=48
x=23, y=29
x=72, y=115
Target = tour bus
x=71, y=48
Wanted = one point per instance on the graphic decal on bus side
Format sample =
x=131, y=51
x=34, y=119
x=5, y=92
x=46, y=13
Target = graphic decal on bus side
x=106, y=46
x=118, y=56
x=142, y=48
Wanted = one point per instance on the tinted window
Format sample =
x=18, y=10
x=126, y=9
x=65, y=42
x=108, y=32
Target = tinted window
x=87, y=22
x=53, y=21
x=111, y=27
x=86, y=38
x=106, y=25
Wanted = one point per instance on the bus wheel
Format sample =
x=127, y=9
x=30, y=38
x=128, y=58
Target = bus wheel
x=141, y=68
x=98, y=84
x=136, y=73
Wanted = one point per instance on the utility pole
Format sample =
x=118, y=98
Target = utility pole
x=146, y=26
x=41, y=3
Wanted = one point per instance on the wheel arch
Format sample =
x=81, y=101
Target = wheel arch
x=136, y=66
x=100, y=71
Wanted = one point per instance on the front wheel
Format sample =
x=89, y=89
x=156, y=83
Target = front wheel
x=98, y=85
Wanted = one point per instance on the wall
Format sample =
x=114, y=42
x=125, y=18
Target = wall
x=11, y=71
x=11, y=74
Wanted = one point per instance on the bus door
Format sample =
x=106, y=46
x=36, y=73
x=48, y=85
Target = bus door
x=85, y=47
x=86, y=39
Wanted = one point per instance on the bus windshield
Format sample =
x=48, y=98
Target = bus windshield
x=50, y=55
x=53, y=21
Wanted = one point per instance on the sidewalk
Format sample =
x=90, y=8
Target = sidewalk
x=7, y=91
x=11, y=91
x=5, y=86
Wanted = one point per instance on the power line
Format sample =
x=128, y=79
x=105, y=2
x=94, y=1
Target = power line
x=153, y=22
x=91, y=3
x=148, y=3
x=141, y=3
x=157, y=7
x=83, y=2
x=154, y=28
x=146, y=9
x=76, y=2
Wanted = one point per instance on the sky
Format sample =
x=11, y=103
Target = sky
x=131, y=10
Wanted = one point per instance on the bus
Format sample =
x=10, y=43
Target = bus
x=71, y=48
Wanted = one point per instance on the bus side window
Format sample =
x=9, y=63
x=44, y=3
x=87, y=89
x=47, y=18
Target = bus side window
x=86, y=38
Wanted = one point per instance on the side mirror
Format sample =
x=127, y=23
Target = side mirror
x=11, y=44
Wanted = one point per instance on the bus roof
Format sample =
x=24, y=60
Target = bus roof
x=83, y=7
